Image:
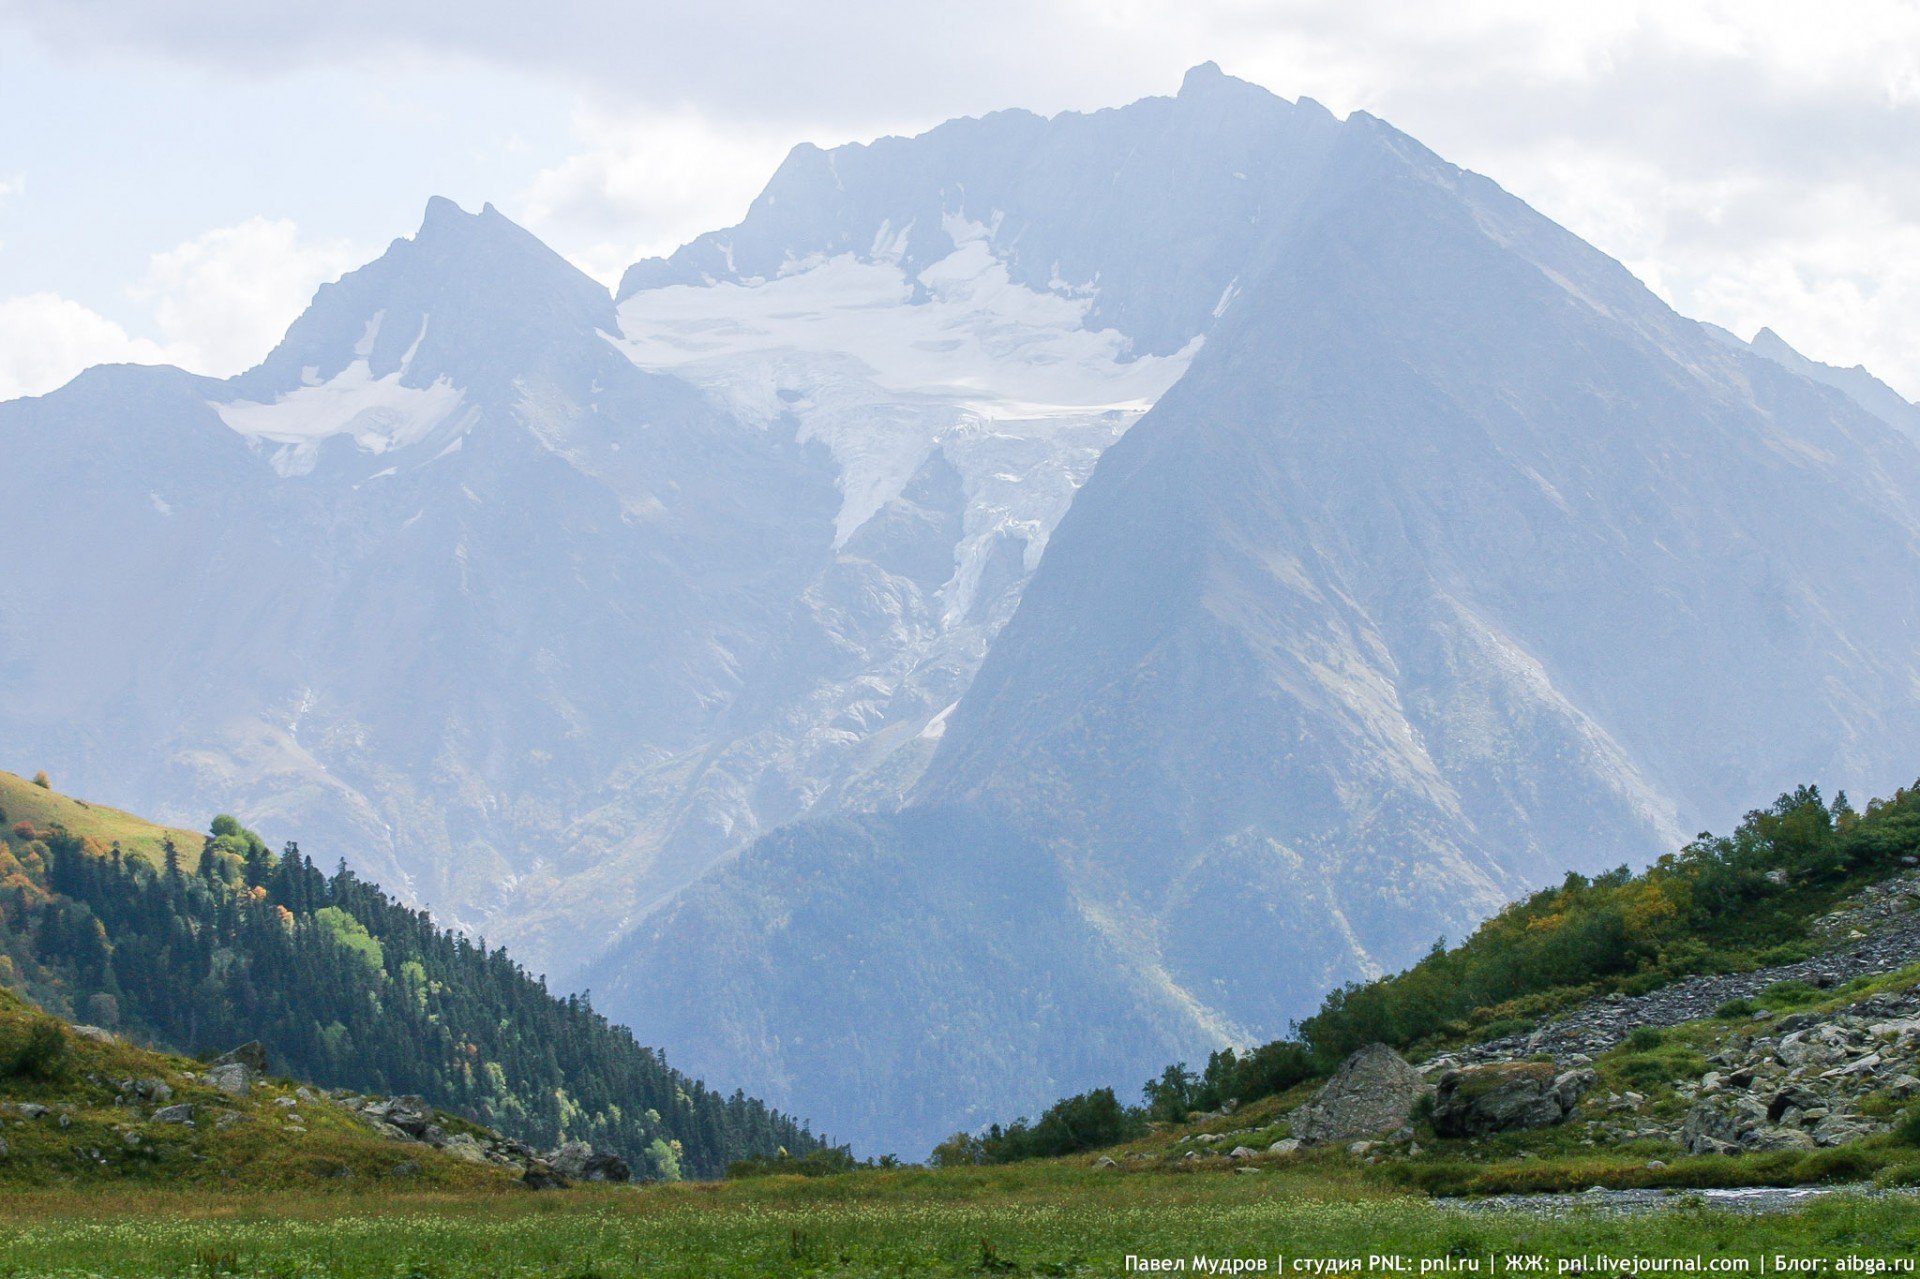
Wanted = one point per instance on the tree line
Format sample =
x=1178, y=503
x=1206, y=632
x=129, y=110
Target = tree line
x=348, y=988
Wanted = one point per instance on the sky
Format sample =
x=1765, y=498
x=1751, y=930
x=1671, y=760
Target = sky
x=178, y=176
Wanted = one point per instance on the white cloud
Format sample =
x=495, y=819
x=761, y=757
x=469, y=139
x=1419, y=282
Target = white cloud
x=218, y=304
x=644, y=184
x=1742, y=154
x=221, y=300
x=46, y=339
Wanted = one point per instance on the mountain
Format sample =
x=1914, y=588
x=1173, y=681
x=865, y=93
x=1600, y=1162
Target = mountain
x=1858, y=385
x=220, y=941
x=428, y=585
x=1453, y=561
x=1031, y=602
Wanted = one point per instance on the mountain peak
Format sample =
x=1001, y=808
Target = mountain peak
x=463, y=288
x=1202, y=78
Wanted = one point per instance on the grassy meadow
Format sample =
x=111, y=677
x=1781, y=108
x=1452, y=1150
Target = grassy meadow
x=1033, y=1220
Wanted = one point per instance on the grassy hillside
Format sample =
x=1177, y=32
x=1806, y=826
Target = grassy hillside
x=77, y=1111
x=229, y=941
x=22, y=800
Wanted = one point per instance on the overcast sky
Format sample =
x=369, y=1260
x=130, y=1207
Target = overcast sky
x=177, y=176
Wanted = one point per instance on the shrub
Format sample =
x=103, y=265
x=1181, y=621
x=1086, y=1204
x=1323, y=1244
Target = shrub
x=1643, y=1039
x=1661, y=1066
x=1790, y=993
x=1907, y=1131
x=40, y=780
x=1503, y=1028
x=1733, y=1008
x=819, y=1163
x=41, y=1054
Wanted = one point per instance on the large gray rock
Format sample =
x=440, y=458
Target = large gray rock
x=1730, y=1125
x=1506, y=1096
x=233, y=1078
x=577, y=1161
x=1372, y=1093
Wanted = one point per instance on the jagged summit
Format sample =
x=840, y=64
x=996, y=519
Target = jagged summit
x=444, y=303
x=1152, y=210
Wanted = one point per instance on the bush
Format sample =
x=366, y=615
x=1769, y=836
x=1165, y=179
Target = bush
x=1503, y=1028
x=1790, y=994
x=1643, y=1039
x=40, y=780
x=1733, y=1008
x=819, y=1163
x=1660, y=1066
x=1907, y=1131
x=41, y=1054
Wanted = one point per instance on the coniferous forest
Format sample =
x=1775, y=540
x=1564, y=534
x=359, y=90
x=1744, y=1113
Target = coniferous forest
x=347, y=988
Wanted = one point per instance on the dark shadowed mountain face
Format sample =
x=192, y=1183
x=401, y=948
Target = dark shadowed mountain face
x=1142, y=568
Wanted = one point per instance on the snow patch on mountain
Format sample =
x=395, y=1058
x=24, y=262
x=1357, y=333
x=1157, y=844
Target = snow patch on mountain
x=380, y=414
x=883, y=368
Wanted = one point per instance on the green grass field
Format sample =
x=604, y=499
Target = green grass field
x=1032, y=1220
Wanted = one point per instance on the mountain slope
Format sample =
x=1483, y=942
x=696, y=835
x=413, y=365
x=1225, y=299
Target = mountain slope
x=346, y=988
x=421, y=586
x=1455, y=560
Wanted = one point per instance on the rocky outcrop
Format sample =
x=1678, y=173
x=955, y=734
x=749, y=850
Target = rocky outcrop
x=1372, y=1094
x=1481, y=1100
x=1877, y=932
x=412, y=1119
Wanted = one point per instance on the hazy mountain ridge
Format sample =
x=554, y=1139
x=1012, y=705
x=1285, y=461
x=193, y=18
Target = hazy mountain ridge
x=1391, y=608
x=1442, y=557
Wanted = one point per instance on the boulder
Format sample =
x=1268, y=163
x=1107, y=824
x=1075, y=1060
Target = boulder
x=461, y=1146
x=1505, y=1096
x=232, y=1078
x=410, y=1115
x=541, y=1176
x=1284, y=1146
x=1372, y=1093
x=577, y=1161
x=1719, y=1126
x=181, y=1114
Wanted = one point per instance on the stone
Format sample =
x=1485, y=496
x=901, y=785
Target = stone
x=465, y=1148
x=1373, y=1092
x=405, y=1168
x=1284, y=1146
x=98, y=1034
x=1242, y=1152
x=1838, y=1130
x=1105, y=1161
x=1508, y=1096
x=576, y=1160
x=541, y=1176
x=180, y=1114
x=232, y=1078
